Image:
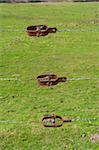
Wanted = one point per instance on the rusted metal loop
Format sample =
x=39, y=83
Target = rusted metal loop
x=51, y=121
x=40, y=30
x=50, y=79
x=54, y=121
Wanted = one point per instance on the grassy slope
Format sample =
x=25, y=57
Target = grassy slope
x=67, y=54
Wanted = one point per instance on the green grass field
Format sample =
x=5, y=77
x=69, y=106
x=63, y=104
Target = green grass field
x=71, y=54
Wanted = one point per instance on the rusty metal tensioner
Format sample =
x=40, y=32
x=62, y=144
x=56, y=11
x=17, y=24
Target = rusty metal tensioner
x=40, y=30
x=54, y=121
x=50, y=79
x=57, y=121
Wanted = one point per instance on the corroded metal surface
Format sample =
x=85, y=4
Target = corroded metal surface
x=50, y=79
x=54, y=121
x=40, y=30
